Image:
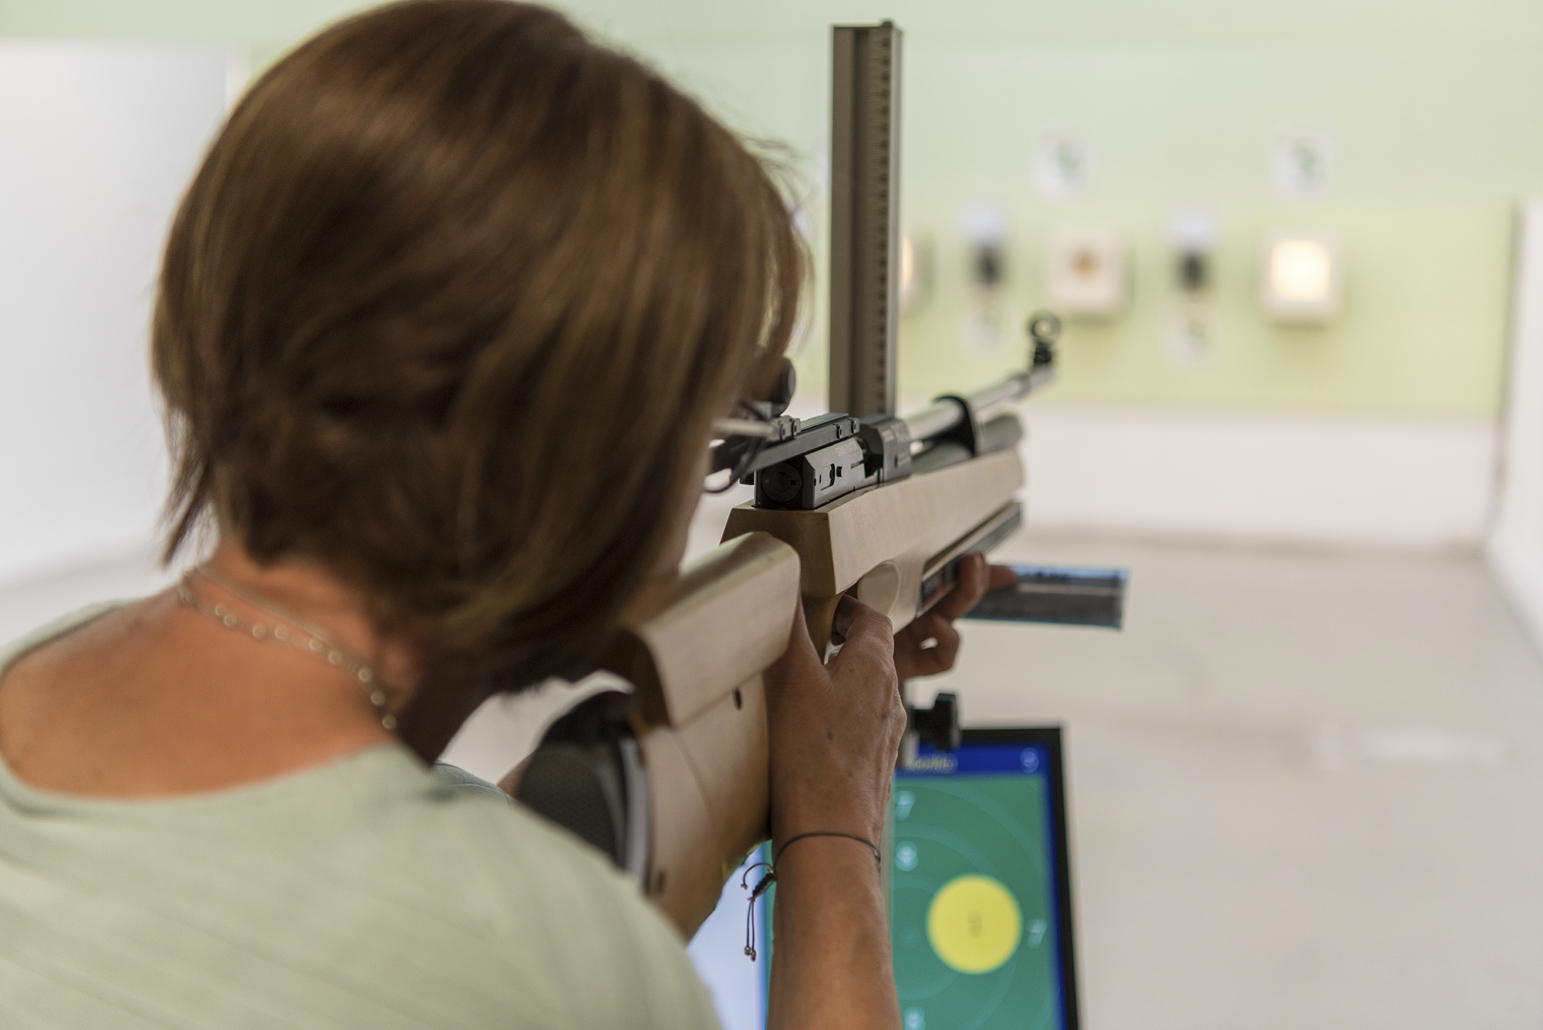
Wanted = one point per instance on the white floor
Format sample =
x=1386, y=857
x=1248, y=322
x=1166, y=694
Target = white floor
x=1306, y=789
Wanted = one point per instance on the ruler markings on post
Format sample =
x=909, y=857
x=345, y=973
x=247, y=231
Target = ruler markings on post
x=864, y=222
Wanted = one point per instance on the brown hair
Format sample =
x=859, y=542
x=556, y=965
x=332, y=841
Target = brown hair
x=448, y=309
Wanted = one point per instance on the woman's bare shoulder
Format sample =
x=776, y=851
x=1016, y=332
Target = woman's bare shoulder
x=41, y=673
x=144, y=700
x=68, y=638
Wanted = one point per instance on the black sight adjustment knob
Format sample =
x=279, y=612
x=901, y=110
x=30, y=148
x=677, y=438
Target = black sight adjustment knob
x=782, y=389
x=781, y=483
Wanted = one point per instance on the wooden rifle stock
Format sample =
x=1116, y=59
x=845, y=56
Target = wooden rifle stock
x=699, y=711
x=699, y=714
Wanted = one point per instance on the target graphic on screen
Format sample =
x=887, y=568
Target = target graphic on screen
x=973, y=899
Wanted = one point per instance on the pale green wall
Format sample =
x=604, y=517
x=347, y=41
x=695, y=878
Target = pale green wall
x=1435, y=110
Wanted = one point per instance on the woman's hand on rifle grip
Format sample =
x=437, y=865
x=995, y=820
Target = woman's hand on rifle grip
x=834, y=733
x=834, y=728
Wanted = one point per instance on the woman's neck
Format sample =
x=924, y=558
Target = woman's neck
x=307, y=591
x=161, y=697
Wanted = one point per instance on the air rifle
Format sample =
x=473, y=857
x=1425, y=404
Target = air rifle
x=671, y=780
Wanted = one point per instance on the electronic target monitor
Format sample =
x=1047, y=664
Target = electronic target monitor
x=980, y=891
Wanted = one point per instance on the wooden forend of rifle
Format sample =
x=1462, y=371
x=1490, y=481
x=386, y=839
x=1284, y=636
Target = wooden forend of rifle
x=880, y=542
x=696, y=665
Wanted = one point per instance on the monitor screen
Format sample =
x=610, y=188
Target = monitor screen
x=980, y=897
x=979, y=891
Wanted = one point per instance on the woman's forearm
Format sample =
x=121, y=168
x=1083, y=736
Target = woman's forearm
x=831, y=964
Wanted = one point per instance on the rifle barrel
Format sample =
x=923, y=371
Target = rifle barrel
x=935, y=419
x=991, y=401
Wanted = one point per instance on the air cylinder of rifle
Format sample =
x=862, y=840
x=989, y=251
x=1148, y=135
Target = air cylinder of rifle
x=1000, y=433
x=947, y=414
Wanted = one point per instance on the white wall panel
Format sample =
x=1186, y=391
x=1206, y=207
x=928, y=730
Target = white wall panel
x=97, y=142
x=1261, y=477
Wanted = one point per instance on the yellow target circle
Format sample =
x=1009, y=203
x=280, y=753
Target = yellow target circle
x=974, y=924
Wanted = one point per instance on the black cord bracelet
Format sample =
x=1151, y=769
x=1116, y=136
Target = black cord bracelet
x=770, y=878
x=828, y=833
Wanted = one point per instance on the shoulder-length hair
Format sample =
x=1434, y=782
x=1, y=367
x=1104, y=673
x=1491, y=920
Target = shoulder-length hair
x=448, y=309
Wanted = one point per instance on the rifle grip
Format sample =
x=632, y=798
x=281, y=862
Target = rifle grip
x=820, y=614
x=879, y=588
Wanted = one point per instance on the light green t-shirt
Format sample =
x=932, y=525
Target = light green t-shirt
x=364, y=893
